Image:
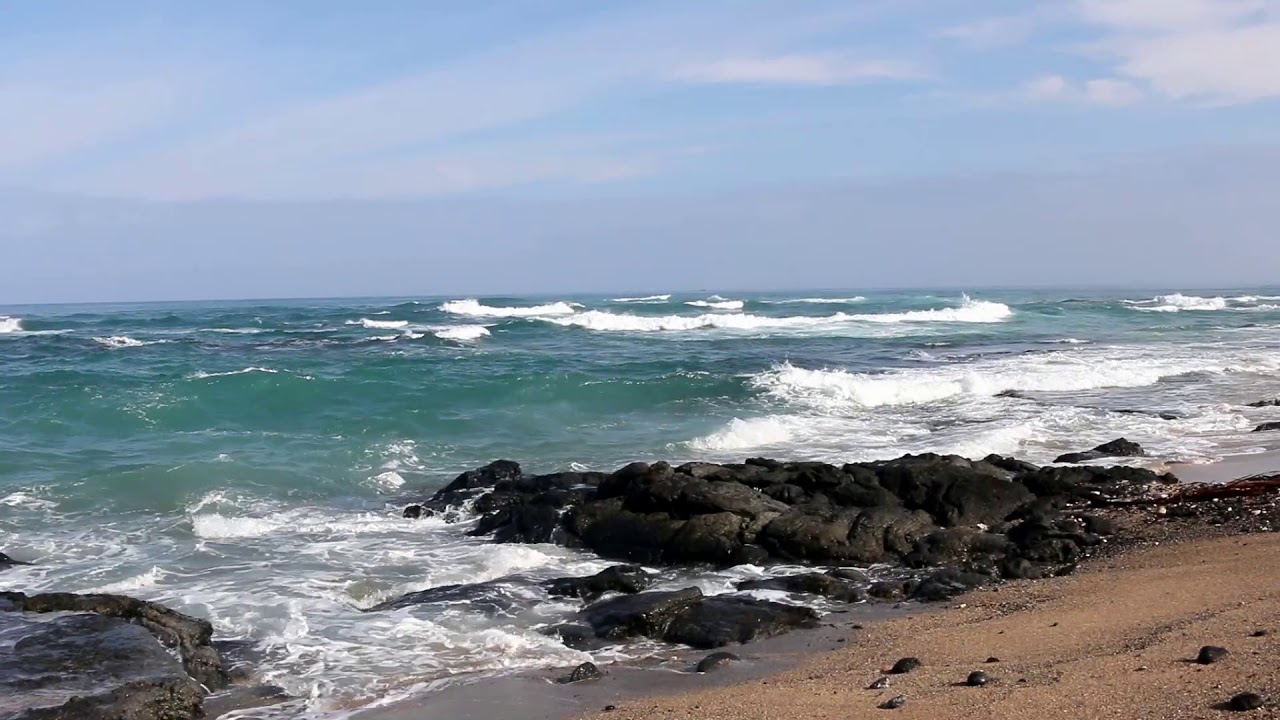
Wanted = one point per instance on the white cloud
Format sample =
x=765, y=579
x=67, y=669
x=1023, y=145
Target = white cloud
x=992, y=32
x=812, y=70
x=1216, y=51
x=1108, y=92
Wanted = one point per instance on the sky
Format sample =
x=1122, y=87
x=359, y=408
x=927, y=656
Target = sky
x=157, y=149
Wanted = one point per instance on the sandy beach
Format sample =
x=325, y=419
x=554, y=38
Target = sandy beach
x=1116, y=640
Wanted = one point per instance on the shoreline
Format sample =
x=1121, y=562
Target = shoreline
x=1150, y=544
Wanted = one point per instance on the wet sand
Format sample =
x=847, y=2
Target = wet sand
x=1115, y=640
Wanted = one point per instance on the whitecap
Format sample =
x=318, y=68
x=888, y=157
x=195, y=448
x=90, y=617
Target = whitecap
x=462, y=333
x=751, y=433
x=10, y=324
x=22, y=498
x=124, y=341
x=380, y=324
x=202, y=375
x=475, y=309
x=1177, y=302
x=1067, y=341
x=717, y=304
x=131, y=584
x=645, y=299
x=817, y=301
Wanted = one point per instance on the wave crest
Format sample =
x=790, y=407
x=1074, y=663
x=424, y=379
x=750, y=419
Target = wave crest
x=462, y=333
x=645, y=299
x=10, y=324
x=717, y=304
x=475, y=309
x=380, y=324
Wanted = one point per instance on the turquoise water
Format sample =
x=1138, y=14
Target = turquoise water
x=244, y=460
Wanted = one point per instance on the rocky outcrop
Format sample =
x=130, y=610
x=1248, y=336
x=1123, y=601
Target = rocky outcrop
x=687, y=617
x=1265, y=403
x=625, y=579
x=190, y=637
x=493, y=597
x=7, y=562
x=103, y=657
x=996, y=517
x=1116, y=448
x=1267, y=427
x=821, y=584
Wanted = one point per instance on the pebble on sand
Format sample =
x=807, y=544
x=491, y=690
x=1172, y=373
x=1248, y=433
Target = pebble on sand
x=894, y=703
x=584, y=672
x=880, y=684
x=1210, y=654
x=715, y=661
x=977, y=678
x=1258, y=633
x=1246, y=701
x=905, y=665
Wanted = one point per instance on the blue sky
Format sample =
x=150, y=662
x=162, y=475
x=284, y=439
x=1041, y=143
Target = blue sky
x=303, y=104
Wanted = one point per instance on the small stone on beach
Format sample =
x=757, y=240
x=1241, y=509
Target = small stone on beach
x=715, y=661
x=610, y=708
x=905, y=665
x=1210, y=654
x=1258, y=633
x=993, y=660
x=1245, y=702
x=894, y=703
x=977, y=679
x=582, y=673
x=880, y=684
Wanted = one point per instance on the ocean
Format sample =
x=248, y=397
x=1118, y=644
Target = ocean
x=247, y=461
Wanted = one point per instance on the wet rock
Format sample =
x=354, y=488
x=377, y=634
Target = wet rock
x=851, y=574
x=1210, y=654
x=977, y=678
x=881, y=684
x=894, y=703
x=1264, y=403
x=719, y=621
x=1246, y=701
x=575, y=636
x=1116, y=448
x=415, y=511
x=610, y=708
x=582, y=673
x=8, y=562
x=90, y=667
x=715, y=661
x=643, y=615
x=822, y=584
x=948, y=583
x=627, y=579
x=1099, y=525
x=905, y=665
x=494, y=597
x=189, y=636
x=244, y=698
x=1267, y=427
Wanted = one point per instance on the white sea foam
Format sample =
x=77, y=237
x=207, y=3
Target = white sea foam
x=462, y=333
x=475, y=309
x=970, y=311
x=202, y=376
x=1067, y=341
x=124, y=341
x=1177, y=302
x=131, y=584
x=380, y=324
x=717, y=304
x=23, y=498
x=645, y=299
x=750, y=433
x=817, y=301
x=10, y=324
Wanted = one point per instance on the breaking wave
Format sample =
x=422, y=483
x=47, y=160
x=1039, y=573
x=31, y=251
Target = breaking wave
x=10, y=324
x=817, y=301
x=380, y=324
x=645, y=299
x=717, y=304
x=462, y=333
x=124, y=341
x=475, y=309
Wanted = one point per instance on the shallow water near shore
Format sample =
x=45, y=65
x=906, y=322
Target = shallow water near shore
x=246, y=462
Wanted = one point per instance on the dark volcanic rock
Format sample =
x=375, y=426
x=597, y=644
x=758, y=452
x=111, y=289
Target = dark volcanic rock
x=1267, y=427
x=894, y=703
x=977, y=678
x=643, y=615
x=189, y=636
x=905, y=665
x=810, y=584
x=576, y=636
x=90, y=667
x=493, y=597
x=715, y=661
x=881, y=684
x=243, y=698
x=946, y=584
x=1246, y=701
x=415, y=511
x=582, y=673
x=628, y=579
x=719, y=621
x=1210, y=654
x=1116, y=448
x=1265, y=403
x=996, y=517
x=8, y=562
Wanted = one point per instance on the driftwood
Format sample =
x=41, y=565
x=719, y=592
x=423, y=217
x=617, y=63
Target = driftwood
x=1251, y=486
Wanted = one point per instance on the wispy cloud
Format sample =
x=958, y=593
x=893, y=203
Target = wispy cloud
x=1215, y=51
x=1109, y=92
x=814, y=70
x=992, y=32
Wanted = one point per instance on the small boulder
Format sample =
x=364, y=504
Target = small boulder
x=1246, y=701
x=1210, y=654
x=413, y=512
x=881, y=684
x=977, y=679
x=821, y=584
x=719, y=621
x=905, y=665
x=715, y=661
x=645, y=614
x=1267, y=427
x=1264, y=403
x=626, y=579
x=582, y=673
x=1119, y=447
x=894, y=703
